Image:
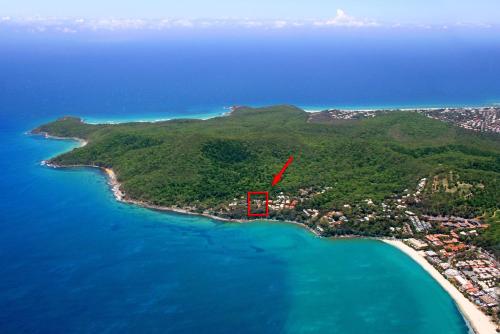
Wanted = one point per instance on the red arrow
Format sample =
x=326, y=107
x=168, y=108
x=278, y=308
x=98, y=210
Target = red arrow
x=277, y=177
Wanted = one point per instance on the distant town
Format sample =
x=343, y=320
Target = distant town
x=477, y=119
x=484, y=119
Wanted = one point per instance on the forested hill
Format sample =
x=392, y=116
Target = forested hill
x=212, y=161
x=206, y=163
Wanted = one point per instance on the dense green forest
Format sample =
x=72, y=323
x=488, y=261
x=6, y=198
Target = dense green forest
x=209, y=162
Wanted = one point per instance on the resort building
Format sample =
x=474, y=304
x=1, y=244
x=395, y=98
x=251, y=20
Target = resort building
x=417, y=244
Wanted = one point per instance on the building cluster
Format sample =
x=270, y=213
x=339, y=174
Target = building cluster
x=477, y=119
x=337, y=114
x=474, y=272
x=419, y=225
x=283, y=201
x=454, y=222
x=449, y=244
x=391, y=209
x=279, y=203
x=352, y=114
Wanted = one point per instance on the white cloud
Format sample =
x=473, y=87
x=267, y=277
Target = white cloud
x=80, y=25
x=473, y=25
x=183, y=23
x=250, y=23
x=280, y=24
x=120, y=24
x=344, y=20
x=66, y=30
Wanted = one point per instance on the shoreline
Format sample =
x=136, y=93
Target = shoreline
x=82, y=142
x=313, y=109
x=121, y=197
x=309, y=109
x=476, y=319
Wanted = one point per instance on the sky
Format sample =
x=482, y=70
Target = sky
x=159, y=15
x=388, y=11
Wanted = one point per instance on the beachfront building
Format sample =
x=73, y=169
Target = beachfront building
x=417, y=244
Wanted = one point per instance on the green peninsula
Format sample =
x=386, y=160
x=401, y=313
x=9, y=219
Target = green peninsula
x=354, y=176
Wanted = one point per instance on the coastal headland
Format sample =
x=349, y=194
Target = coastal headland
x=414, y=175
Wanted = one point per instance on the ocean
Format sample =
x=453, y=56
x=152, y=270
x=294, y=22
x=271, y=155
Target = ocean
x=73, y=260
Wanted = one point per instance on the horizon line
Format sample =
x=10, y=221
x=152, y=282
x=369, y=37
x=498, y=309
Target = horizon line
x=75, y=24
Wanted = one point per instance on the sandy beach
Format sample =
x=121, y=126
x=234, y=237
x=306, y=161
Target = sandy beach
x=479, y=321
x=82, y=142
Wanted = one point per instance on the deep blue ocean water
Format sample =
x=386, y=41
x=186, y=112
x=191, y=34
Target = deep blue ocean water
x=73, y=260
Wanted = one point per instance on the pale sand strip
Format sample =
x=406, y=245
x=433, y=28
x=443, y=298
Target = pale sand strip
x=82, y=142
x=480, y=322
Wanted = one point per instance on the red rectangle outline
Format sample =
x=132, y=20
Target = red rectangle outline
x=249, y=195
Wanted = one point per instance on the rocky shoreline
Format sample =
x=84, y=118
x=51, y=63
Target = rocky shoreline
x=122, y=197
